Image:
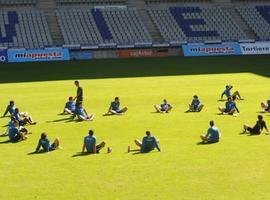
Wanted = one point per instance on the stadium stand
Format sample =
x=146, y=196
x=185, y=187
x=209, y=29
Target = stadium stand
x=18, y=2
x=96, y=26
x=258, y=19
x=72, y=2
x=25, y=29
x=196, y=24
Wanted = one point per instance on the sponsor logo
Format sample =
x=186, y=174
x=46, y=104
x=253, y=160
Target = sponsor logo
x=34, y=55
x=211, y=49
x=255, y=48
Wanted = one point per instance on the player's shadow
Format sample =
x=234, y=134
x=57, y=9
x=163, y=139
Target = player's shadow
x=204, y=143
x=222, y=100
x=107, y=115
x=37, y=153
x=66, y=120
x=78, y=154
x=5, y=126
x=5, y=142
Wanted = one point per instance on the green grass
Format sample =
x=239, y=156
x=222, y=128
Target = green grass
x=236, y=168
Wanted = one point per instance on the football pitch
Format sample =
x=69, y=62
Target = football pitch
x=235, y=168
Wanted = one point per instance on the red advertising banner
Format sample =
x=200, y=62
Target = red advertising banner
x=139, y=53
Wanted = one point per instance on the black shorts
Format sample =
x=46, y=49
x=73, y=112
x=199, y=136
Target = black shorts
x=253, y=131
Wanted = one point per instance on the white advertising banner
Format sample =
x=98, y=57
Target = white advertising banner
x=255, y=48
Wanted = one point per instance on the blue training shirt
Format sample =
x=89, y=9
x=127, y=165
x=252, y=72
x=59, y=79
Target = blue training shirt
x=71, y=105
x=149, y=144
x=89, y=142
x=165, y=106
x=227, y=91
x=213, y=134
x=44, y=143
x=115, y=105
x=231, y=105
x=13, y=133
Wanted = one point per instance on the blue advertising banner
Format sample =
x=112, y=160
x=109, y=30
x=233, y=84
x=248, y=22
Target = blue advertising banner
x=37, y=55
x=81, y=55
x=211, y=49
x=3, y=56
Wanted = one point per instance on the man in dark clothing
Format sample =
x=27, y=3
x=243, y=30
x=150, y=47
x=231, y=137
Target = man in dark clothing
x=258, y=128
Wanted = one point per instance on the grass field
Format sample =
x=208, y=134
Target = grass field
x=236, y=168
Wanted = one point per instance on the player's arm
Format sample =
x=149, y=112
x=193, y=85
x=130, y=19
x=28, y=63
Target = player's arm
x=223, y=93
x=38, y=147
x=84, y=146
x=157, y=145
x=143, y=145
x=110, y=108
x=236, y=108
x=94, y=149
x=6, y=112
x=264, y=126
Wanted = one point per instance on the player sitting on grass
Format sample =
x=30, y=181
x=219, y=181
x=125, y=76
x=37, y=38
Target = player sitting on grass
x=10, y=109
x=196, y=105
x=44, y=142
x=81, y=113
x=14, y=133
x=213, y=134
x=266, y=108
x=230, y=107
x=258, y=128
x=115, y=107
x=89, y=144
x=148, y=143
x=227, y=92
x=23, y=118
x=70, y=106
x=165, y=107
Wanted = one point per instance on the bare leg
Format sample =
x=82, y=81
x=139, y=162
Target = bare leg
x=124, y=110
x=68, y=111
x=245, y=128
x=100, y=146
x=57, y=143
x=221, y=109
x=232, y=111
x=169, y=109
x=157, y=108
x=203, y=138
x=138, y=143
x=263, y=105
x=200, y=108
x=237, y=94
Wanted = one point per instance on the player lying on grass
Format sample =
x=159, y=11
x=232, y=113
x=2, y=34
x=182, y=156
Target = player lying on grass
x=196, y=105
x=44, y=142
x=165, y=107
x=81, y=113
x=15, y=134
x=230, y=107
x=257, y=128
x=23, y=118
x=149, y=143
x=227, y=92
x=90, y=144
x=115, y=107
x=266, y=107
x=70, y=106
x=212, y=135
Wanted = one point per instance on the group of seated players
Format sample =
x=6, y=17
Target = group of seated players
x=17, y=132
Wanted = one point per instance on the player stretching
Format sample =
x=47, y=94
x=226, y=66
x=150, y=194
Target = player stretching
x=165, y=107
x=230, y=108
x=258, y=128
x=227, y=92
x=149, y=143
x=115, y=107
x=213, y=134
x=196, y=105
x=266, y=107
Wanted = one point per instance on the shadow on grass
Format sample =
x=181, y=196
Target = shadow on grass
x=5, y=142
x=82, y=154
x=37, y=153
x=142, y=67
x=206, y=143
